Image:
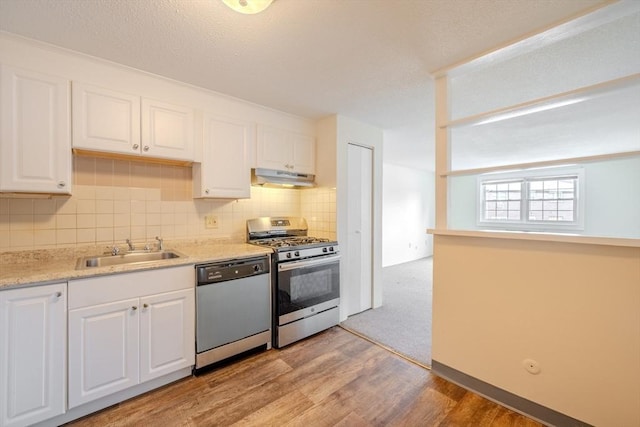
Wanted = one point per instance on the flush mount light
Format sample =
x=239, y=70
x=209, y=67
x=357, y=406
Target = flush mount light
x=248, y=7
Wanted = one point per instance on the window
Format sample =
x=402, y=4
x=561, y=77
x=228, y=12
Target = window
x=502, y=200
x=552, y=199
x=537, y=199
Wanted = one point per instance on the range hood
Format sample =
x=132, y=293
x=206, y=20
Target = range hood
x=278, y=178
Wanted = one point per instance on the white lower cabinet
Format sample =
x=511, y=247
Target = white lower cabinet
x=32, y=354
x=127, y=329
x=167, y=334
x=103, y=350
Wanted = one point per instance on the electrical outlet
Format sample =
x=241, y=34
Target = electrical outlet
x=211, y=221
x=531, y=366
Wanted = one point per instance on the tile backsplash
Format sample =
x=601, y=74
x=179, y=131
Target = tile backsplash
x=118, y=199
x=318, y=206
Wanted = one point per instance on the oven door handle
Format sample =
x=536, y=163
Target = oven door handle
x=308, y=263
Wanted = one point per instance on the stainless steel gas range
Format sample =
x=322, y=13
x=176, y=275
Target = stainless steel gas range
x=305, y=277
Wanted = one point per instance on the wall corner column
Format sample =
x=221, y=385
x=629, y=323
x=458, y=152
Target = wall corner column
x=442, y=150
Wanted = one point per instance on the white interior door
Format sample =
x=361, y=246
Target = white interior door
x=359, y=257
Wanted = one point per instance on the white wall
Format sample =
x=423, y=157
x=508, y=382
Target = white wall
x=408, y=209
x=412, y=147
x=612, y=199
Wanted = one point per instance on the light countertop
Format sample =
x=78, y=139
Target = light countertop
x=25, y=268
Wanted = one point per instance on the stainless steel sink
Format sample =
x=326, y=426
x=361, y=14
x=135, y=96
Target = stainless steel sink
x=126, y=258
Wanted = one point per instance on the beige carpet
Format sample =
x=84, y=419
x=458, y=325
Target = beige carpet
x=403, y=322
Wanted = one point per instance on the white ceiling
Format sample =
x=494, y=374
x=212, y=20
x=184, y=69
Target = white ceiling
x=366, y=59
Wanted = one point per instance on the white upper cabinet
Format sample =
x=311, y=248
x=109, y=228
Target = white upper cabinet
x=35, y=149
x=304, y=153
x=274, y=149
x=224, y=171
x=167, y=130
x=284, y=150
x=105, y=120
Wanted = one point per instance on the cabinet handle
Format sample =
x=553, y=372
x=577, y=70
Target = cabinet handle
x=134, y=308
x=146, y=148
x=62, y=184
x=136, y=146
x=206, y=191
x=145, y=305
x=58, y=294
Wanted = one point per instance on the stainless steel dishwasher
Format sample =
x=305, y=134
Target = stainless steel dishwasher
x=233, y=308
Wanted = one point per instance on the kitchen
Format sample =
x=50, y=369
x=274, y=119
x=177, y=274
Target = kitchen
x=158, y=196
x=123, y=202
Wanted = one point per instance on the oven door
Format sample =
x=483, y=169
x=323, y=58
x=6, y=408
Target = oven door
x=307, y=287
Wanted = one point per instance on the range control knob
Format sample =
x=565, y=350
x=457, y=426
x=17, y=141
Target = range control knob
x=256, y=267
x=324, y=249
x=288, y=254
x=331, y=249
x=297, y=253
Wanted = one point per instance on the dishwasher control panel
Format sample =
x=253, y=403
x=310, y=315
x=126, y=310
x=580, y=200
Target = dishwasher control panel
x=231, y=270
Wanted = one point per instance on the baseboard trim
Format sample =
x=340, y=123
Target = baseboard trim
x=112, y=399
x=512, y=401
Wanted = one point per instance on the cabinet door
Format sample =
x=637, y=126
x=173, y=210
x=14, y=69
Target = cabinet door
x=274, y=149
x=105, y=120
x=103, y=350
x=32, y=354
x=224, y=171
x=35, y=149
x=167, y=130
x=304, y=153
x=167, y=333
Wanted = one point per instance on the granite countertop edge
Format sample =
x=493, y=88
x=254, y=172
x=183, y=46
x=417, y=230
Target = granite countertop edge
x=47, y=266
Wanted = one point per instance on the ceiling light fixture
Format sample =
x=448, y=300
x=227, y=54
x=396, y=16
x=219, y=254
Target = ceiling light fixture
x=248, y=7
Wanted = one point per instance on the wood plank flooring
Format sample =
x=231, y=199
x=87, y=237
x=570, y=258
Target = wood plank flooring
x=332, y=379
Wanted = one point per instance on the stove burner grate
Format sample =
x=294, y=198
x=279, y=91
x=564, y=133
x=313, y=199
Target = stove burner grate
x=285, y=242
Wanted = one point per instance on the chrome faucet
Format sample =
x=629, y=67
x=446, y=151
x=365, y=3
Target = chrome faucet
x=115, y=251
x=131, y=247
x=159, y=239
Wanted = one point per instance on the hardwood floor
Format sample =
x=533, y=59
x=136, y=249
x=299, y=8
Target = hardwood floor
x=332, y=379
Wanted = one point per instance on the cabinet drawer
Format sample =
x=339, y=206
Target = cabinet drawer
x=103, y=289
